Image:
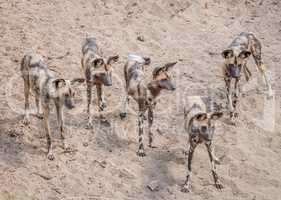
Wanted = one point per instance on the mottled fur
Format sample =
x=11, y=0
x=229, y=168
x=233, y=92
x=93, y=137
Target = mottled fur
x=46, y=88
x=200, y=125
x=235, y=61
x=143, y=93
x=98, y=72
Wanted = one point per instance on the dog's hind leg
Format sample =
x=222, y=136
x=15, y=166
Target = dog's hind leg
x=38, y=106
x=150, y=122
x=26, y=119
x=213, y=160
x=89, y=101
x=247, y=72
x=256, y=51
x=187, y=185
x=46, y=112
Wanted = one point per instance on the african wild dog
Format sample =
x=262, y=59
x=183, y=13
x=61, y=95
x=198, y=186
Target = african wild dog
x=97, y=72
x=46, y=88
x=143, y=93
x=200, y=126
x=236, y=57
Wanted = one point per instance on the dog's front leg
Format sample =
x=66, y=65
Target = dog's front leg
x=103, y=101
x=100, y=102
x=141, y=151
x=125, y=103
x=187, y=185
x=89, y=101
x=213, y=160
x=46, y=111
x=26, y=119
x=59, y=110
x=229, y=94
x=236, y=97
x=150, y=122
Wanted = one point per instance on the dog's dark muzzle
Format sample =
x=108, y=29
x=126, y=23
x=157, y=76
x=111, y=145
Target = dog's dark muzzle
x=106, y=79
x=68, y=102
x=173, y=87
x=234, y=71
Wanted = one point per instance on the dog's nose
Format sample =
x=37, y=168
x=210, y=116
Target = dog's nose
x=173, y=88
x=203, y=129
x=71, y=106
x=108, y=84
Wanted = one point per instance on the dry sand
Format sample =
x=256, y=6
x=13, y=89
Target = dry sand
x=105, y=165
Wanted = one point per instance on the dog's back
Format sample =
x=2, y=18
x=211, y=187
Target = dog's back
x=35, y=71
x=133, y=71
x=90, y=44
x=90, y=52
x=194, y=106
x=244, y=41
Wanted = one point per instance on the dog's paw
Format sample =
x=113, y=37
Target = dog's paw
x=218, y=185
x=66, y=148
x=39, y=115
x=152, y=146
x=141, y=153
x=269, y=95
x=89, y=126
x=105, y=122
x=123, y=115
x=186, y=188
x=50, y=156
x=102, y=106
x=185, y=152
x=233, y=117
x=26, y=121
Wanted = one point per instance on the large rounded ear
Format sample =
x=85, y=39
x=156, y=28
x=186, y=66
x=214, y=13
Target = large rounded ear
x=216, y=115
x=244, y=54
x=112, y=59
x=169, y=66
x=201, y=116
x=59, y=83
x=97, y=62
x=228, y=53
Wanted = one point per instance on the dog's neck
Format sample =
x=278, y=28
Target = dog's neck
x=154, y=88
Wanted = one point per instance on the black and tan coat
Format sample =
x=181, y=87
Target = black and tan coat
x=145, y=93
x=46, y=88
x=235, y=62
x=97, y=72
x=200, y=126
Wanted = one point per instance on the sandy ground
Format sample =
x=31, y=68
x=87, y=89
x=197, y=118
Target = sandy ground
x=104, y=164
